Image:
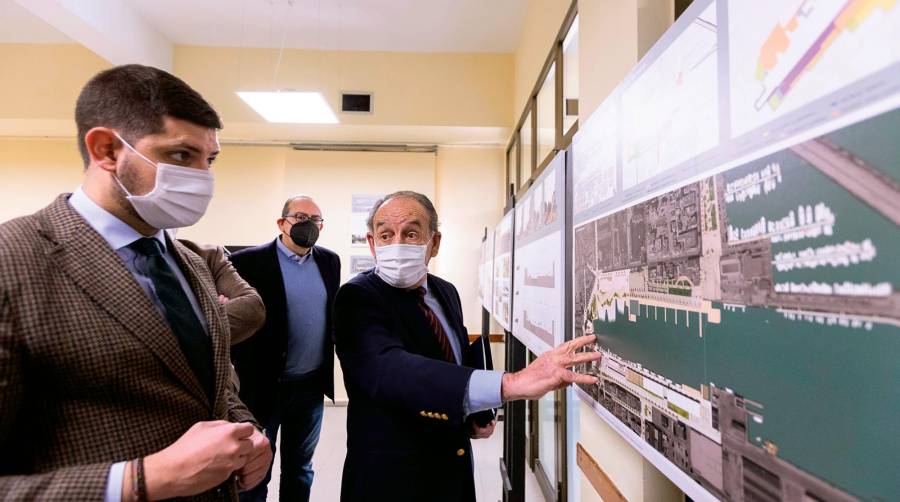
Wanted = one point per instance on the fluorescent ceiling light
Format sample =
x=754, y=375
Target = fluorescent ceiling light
x=290, y=107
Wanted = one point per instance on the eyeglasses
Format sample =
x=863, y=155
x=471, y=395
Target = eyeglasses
x=303, y=218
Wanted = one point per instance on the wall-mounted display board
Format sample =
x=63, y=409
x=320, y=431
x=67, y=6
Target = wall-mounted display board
x=486, y=272
x=502, y=294
x=736, y=232
x=538, y=279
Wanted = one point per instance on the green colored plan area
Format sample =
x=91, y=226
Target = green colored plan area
x=750, y=322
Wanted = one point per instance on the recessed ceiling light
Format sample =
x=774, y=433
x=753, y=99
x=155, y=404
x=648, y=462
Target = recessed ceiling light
x=290, y=107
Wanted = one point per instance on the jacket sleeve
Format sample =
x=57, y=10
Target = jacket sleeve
x=246, y=312
x=80, y=482
x=237, y=410
x=376, y=363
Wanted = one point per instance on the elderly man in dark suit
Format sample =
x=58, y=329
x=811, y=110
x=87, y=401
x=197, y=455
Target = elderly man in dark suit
x=417, y=393
x=287, y=367
x=114, y=360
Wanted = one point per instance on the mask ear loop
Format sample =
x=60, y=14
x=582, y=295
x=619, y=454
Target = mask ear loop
x=139, y=154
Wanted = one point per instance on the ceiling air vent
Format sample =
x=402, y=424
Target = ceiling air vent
x=356, y=102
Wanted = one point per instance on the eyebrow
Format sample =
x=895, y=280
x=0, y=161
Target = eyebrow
x=415, y=223
x=192, y=148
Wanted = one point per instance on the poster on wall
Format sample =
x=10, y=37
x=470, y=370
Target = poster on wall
x=739, y=271
x=360, y=205
x=538, y=286
x=502, y=289
x=486, y=272
x=361, y=263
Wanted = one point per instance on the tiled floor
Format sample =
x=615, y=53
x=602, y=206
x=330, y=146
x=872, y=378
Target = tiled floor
x=329, y=461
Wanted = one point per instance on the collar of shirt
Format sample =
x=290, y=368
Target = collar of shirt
x=290, y=255
x=114, y=231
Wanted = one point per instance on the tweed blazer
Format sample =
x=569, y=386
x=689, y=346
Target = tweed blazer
x=246, y=312
x=90, y=373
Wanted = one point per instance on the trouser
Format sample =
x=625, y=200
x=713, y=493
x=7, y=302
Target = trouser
x=298, y=413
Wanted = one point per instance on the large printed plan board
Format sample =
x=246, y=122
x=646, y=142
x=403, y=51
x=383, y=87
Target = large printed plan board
x=502, y=294
x=735, y=251
x=538, y=280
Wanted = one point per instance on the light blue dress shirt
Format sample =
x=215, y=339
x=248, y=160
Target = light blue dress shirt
x=119, y=235
x=483, y=392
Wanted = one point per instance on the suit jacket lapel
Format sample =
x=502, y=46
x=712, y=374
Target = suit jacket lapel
x=87, y=259
x=407, y=308
x=209, y=305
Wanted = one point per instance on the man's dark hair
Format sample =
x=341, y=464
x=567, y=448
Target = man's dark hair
x=424, y=201
x=134, y=99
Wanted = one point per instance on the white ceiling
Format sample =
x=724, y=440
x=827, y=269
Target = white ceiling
x=19, y=26
x=367, y=25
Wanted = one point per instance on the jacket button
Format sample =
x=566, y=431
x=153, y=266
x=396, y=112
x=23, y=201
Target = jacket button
x=460, y=452
x=444, y=416
x=423, y=413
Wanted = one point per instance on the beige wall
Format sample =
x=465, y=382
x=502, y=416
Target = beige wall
x=543, y=20
x=34, y=171
x=409, y=88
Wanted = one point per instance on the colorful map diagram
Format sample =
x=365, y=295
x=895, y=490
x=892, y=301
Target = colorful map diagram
x=791, y=51
x=669, y=114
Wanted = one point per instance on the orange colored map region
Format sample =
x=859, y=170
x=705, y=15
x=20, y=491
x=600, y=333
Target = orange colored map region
x=777, y=42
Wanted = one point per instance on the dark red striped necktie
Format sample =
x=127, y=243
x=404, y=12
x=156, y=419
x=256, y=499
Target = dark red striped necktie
x=436, y=326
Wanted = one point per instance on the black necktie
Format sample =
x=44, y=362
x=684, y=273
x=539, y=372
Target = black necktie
x=436, y=327
x=194, y=342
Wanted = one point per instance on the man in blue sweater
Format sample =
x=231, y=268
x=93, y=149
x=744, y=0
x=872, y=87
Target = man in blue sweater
x=287, y=367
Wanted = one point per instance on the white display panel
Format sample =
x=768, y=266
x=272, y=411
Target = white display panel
x=538, y=279
x=502, y=265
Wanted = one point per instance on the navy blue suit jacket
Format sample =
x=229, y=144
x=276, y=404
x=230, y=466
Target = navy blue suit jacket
x=407, y=438
x=259, y=361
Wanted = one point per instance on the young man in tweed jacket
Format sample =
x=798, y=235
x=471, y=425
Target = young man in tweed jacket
x=114, y=351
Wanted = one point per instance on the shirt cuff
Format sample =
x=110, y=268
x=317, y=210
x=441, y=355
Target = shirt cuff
x=114, y=483
x=483, y=392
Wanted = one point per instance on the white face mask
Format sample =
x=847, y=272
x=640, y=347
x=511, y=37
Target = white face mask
x=401, y=265
x=179, y=199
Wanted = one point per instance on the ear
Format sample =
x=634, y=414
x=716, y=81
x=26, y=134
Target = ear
x=371, y=240
x=103, y=147
x=279, y=223
x=436, y=244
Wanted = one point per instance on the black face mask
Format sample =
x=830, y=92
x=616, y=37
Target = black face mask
x=305, y=234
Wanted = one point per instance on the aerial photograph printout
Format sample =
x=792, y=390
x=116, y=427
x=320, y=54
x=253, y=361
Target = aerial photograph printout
x=749, y=316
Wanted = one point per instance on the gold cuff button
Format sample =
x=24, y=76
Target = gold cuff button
x=423, y=413
x=444, y=416
x=460, y=452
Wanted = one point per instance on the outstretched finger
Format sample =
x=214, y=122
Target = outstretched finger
x=583, y=357
x=582, y=341
x=578, y=378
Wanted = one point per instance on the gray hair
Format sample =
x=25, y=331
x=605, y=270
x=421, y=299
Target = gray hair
x=286, y=210
x=423, y=200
